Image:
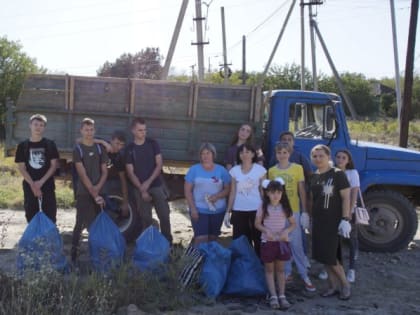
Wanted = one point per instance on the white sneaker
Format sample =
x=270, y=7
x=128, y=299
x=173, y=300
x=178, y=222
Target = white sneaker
x=351, y=275
x=323, y=275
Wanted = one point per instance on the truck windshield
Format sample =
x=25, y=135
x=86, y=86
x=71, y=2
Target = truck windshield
x=313, y=121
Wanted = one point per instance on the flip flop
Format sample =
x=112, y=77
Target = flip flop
x=345, y=293
x=330, y=292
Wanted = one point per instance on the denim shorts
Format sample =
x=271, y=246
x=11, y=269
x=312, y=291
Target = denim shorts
x=271, y=251
x=208, y=224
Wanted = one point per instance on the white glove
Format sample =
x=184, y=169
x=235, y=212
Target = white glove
x=226, y=220
x=304, y=220
x=344, y=228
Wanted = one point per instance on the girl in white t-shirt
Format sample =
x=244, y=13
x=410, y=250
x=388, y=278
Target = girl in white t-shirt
x=344, y=161
x=245, y=195
x=271, y=220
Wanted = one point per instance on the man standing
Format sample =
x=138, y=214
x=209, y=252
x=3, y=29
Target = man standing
x=37, y=162
x=144, y=166
x=90, y=161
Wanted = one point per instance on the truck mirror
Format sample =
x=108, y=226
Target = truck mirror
x=330, y=118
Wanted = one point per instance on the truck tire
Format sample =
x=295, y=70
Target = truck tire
x=130, y=226
x=393, y=222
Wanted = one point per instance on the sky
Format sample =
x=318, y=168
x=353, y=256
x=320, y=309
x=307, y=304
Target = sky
x=77, y=37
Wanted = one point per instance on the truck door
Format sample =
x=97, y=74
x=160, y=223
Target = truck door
x=313, y=123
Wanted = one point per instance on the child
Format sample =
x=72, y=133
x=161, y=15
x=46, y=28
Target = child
x=293, y=176
x=37, y=160
x=271, y=220
x=92, y=172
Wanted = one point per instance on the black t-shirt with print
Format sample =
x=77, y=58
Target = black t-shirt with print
x=37, y=157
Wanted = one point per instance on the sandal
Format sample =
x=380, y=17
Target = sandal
x=284, y=304
x=345, y=293
x=274, y=302
x=330, y=292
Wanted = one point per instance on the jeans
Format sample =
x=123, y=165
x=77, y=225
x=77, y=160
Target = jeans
x=298, y=255
x=159, y=201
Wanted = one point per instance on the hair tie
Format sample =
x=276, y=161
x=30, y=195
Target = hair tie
x=280, y=180
x=265, y=183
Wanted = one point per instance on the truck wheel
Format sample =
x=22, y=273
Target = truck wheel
x=393, y=222
x=129, y=226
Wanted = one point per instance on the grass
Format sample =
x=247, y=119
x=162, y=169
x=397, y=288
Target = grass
x=49, y=292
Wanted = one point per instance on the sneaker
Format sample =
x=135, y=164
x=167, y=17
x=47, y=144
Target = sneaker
x=274, y=302
x=351, y=275
x=284, y=304
x=309, y=286
x=323, y=275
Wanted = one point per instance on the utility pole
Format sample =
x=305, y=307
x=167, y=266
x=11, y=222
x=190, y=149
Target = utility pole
x=243, y=59
x=225, y=65
x=313, y=49
x=396, y=63
x=409, y=65
x=174, y=40
x=302, y=45
x=200, y=50
x=334, y=70
x=270, y=59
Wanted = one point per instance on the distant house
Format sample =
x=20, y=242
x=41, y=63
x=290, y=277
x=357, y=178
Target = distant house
x=379, y=89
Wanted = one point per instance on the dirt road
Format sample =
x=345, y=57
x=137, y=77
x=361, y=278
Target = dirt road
x=386, y=283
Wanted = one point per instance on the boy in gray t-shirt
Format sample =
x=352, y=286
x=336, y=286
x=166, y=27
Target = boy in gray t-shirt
x=90, y=161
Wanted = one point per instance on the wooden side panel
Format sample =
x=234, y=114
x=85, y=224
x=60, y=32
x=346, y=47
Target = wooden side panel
x=101, y=95
x=43, y=92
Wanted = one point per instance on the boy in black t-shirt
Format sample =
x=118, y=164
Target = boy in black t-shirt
x=37, y=159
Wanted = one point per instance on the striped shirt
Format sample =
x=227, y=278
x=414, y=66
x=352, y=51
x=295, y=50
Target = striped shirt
x=275, y=220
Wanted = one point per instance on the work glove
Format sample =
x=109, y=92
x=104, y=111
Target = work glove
x=344, y=228
x=304, y=220
x=226, y=220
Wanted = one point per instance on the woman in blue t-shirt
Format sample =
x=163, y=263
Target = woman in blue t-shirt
x=206, y=188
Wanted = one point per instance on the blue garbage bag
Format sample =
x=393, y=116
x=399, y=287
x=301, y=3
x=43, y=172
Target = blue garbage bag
x=41, y=246
x=215, y=268
x=152, y=250
x=246, y=274
x=106, y=244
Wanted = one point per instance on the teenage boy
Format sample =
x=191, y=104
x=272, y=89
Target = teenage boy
x=116, y=182
x=37, y=160
x=90, y=161
x=144, y=166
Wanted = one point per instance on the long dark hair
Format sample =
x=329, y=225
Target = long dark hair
x=248, y=147
x=284, y=201
x=350, y=163
x=250, y=140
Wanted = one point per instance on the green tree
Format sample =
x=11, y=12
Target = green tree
x=14, y=66
x=145, y=64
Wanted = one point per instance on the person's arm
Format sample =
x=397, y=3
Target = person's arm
x=302, y=195
x=345, y=202
x=51, y=171
x=258, y=223
x=284, y=236
x=156, y=172
x=188, y=192
x=136, y=182
x=221, y=194
x=232, y=195
x=84, y=179
x=24, y=172
x=124, y=191
x=104, y=143
x=102, y=179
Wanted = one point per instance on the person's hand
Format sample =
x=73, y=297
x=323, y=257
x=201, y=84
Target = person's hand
x=145, y=185
x=146, y=196
x=36, y=190
x=283, y=236
x=270, y=235
x=344, y=228
x=304, y=220
x=194, y=214
x=100, y=201
x=226, y=220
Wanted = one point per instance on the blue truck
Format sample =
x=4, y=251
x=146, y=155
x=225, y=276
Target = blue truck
x=182, y=115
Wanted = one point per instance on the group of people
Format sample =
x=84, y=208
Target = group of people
x=101, y=168
x=272, y=207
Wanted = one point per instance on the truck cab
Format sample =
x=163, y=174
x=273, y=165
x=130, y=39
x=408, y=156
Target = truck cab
x=389, y=176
